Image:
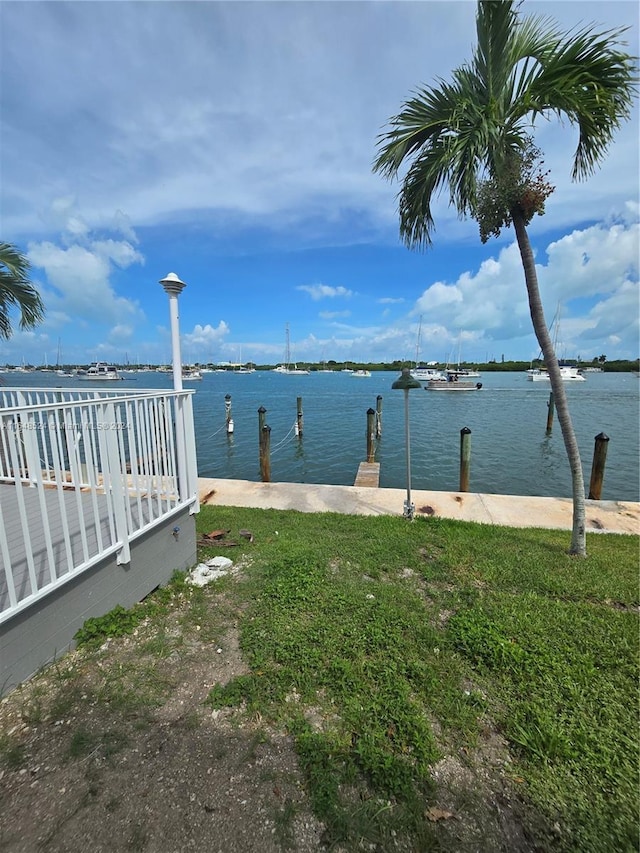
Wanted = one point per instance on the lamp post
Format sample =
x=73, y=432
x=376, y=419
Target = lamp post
x=405, y=383
x=173, y=287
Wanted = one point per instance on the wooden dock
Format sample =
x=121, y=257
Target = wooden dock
x=368, y=475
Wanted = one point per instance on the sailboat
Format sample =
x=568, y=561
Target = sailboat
x=422, y=372
x=461, y=372
x=244, y=368
x=568, y=372
x=287, y=367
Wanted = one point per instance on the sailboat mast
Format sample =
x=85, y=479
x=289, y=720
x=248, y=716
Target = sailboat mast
x=418, y=342
x=287, y=357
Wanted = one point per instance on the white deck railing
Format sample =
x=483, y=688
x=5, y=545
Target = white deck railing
x=101, y=461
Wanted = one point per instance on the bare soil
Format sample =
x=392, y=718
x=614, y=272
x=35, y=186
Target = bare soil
x=115, y=751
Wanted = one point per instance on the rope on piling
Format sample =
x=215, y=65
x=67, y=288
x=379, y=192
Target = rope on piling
x=217, y=431
x=280, y=443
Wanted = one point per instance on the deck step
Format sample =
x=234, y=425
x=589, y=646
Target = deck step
x=368, y=475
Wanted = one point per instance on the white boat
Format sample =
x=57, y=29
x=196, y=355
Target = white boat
x=361, y=373
x=567, y=374
x=190, y=374
x=290, y=370
x=462, y=372
x=465, y=372
x=453, y=382
x=101, y=371
x=287, y=367
x=428, y=374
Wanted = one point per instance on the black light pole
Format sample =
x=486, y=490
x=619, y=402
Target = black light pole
x=405, y=383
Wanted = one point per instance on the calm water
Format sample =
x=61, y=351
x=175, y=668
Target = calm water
x=510, y=452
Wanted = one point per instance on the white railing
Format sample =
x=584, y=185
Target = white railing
x=91, y=471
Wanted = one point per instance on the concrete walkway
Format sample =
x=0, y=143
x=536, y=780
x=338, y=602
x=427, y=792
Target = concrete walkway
x=508, y=510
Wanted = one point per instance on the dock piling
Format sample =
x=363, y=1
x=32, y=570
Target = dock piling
x=465, y=458
x=550, y=411
x=264, y=440
x=299, y=417
x=227, y=412
x=597, y=468
x=371, y=441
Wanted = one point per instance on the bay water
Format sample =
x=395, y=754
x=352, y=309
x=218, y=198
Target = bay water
x=510, y=450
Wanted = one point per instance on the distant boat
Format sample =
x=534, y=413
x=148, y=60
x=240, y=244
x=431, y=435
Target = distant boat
x=465, y=372
x=428, y=374
x=422, y=372
x=287, y=367
x=190, y=374
x=101, y=371
x=453, y=382
x=567, y=374
x=361, y=373
x=462, y=372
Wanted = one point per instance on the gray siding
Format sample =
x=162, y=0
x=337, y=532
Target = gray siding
x=44, y=630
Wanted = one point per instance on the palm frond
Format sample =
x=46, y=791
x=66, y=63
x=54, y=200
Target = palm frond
x=17, y=291
x=457, y=133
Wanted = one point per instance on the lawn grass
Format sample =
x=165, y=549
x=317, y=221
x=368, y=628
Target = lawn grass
x=384, y=645
x=449, y=686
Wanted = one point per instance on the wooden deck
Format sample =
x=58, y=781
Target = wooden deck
x=368, y=475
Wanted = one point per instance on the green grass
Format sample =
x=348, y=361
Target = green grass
x=384, y=646
x=364, y=634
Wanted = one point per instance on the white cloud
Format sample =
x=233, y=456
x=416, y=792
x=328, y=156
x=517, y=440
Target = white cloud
x=333, y=315
x=594, y=268
x=268, y=118
x=121, y=333
x=204, y=339
x=78, y=279
x=324, y=291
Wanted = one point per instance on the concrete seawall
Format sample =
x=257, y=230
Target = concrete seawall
x=507, y=510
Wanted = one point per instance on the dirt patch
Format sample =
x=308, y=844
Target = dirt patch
x=116, y=750
x=93, y=768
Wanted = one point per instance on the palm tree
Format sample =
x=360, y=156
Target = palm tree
x=16, y=291
x=473, y=135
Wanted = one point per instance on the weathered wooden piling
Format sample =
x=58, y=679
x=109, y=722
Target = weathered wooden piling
x=227, y=413
x=264, y=442
x=265, y=454
x=550, y=411
x=371, y=439
x=597, y=468
x=378, y=416
x=299, y=417
x=465, y=458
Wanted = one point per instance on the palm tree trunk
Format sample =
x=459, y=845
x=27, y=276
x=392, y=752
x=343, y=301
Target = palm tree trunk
x=578, y=533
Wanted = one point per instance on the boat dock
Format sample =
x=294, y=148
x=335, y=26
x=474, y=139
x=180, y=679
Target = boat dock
x=368, y=475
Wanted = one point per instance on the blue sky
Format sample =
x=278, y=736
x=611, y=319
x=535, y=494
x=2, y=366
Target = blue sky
x=232, y=143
